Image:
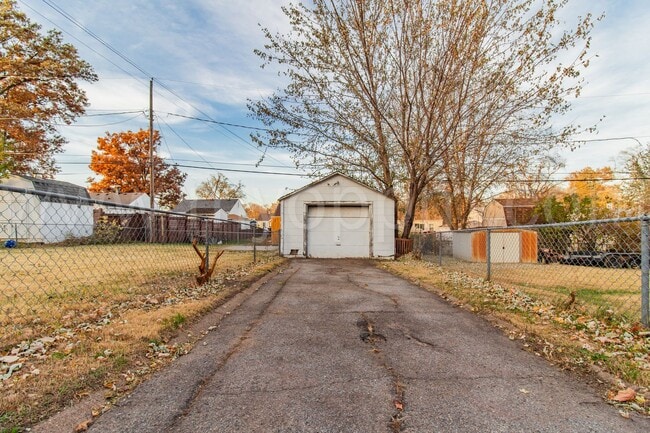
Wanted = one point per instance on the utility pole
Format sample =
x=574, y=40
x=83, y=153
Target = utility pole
x=151, y=164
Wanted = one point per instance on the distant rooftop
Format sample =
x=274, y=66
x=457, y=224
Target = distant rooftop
x=57, y=187
x=117, y=198
x=205, y=206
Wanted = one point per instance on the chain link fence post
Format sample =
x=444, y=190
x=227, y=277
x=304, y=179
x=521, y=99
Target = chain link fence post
x=254, y=244
x=488, y=254
x=207, y=244
x=439, y=235
x=645, y=268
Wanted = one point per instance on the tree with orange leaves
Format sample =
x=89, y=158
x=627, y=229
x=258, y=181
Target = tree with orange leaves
x=596, y=184
x=38, y=88
x=122, y=161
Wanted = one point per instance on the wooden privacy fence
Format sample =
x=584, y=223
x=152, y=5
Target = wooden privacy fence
x=163, y=228
x=403, y=246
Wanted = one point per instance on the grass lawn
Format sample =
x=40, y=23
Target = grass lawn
x=54, y=280
x=594, y=288
x=92, y=317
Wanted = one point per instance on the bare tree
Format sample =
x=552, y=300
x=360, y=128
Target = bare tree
x=535, y=178
x=219, y=187
x=636, y=188
x=390, y=91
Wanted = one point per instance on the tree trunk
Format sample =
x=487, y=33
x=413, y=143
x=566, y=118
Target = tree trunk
x=414, y=193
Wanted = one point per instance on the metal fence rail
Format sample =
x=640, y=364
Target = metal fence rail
x=597, y=266
x=61, y=254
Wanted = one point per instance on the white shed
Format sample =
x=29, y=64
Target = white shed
x=43, y=217
x=337, y=217
x=506, y=246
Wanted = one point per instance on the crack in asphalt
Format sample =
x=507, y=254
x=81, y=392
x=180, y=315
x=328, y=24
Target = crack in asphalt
x=370, y=336
x=365, y=288
x=243, y=337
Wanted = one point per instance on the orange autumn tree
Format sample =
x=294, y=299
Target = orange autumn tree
x=597, y=185
x=122, y=161
x=39, y=89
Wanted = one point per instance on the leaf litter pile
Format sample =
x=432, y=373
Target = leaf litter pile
x=565, y=335
x=111, y=347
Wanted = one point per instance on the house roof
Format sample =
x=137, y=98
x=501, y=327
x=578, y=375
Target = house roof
x=57, y=187
x=518, y=211
x=325, y=179
x=516, y=202
x=117, y=198
x=205, y=206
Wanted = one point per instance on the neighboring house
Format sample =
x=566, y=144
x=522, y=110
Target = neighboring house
x=121, y=201
x=43, y=217
x=263, y=221
x=337, y=217
x=226, y=209
x=438, y=225
x=509, y=212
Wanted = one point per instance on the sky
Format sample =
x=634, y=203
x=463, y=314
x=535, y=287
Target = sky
x=200, y=54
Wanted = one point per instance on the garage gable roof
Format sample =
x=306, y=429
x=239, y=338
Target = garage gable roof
x=325, y=179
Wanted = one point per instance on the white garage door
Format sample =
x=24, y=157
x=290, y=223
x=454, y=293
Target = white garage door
x=336, y=232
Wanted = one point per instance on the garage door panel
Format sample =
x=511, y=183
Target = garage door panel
x=338, y=232
x=338, y=212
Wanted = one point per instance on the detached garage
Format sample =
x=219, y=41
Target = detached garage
x=337, y=217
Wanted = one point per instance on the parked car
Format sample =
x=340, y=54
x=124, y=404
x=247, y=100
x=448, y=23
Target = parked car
x=547, y=255
x=607, y=259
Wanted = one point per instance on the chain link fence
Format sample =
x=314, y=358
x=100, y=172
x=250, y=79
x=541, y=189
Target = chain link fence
x=598, y=266
x=61, y=254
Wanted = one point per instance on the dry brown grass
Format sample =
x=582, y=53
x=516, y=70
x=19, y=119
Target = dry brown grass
x=38, y=278
x=597, y=289
x=562, y=333
x=113, y=334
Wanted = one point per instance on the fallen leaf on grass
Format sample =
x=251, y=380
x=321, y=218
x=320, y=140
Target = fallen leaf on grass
x=9, y=359
x=83, y=426
x=625, y=395
x=10, y=371
x=398, y=405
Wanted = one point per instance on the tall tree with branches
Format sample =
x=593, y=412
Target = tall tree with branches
x=636, y=188
x=39, y=76
x=391, y=91
x=122, y=161
x=219, y=187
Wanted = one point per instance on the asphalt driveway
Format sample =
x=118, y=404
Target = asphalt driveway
x=341, y=346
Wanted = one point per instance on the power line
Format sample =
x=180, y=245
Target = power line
x=220, y=125
x=112, y=113
x=232, y=170
x=70, y=18
x=79, y=40
x=184, y=141
x=75, y=125
x=245, y=164
x=217, y=122
x=92, y=34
